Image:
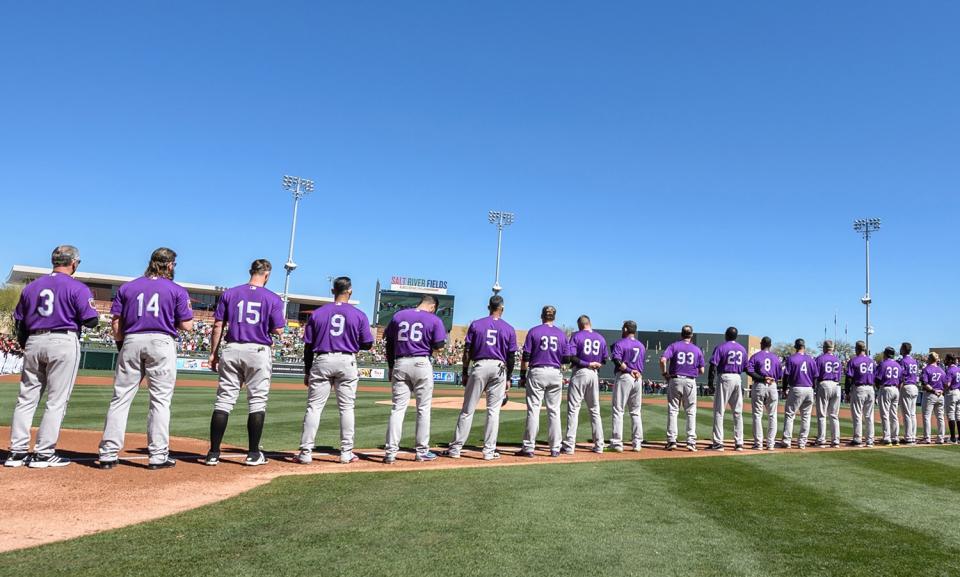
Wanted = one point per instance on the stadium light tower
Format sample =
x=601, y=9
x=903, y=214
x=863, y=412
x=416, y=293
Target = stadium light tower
x=501, y=219
x=299, y=187
x=866, y=227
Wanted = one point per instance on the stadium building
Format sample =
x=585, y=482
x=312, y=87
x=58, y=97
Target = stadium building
x=203, y=298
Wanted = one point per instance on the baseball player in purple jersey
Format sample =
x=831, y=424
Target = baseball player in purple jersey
x=147, y=312
x=933, y=379
x=828, y=396
x=334, y=335
x=889, y=377
x=252, y=314
x=489, y=355
x=729, y=360
x=629, y=356
x=951, y=396
x=587, y=351
x=860, y=379
x=48, y=319
x=411, y=337
x=680, y=365
x=766, y=370
x=800, y=372
x=544, y=350
x=909, y=393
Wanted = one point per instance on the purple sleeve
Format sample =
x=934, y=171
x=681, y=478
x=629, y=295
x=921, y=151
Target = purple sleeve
x=715, y=357
x=390, y=333
x=221, y=305
x=116, y=307
x=20, y=312
x=308, y=333
x=439, y=333
x=277, y=320
x=878, y=372
x=83, y=301
x=528, y=343
x=183, y=311
x=849, y=372
x=603, y=350
x=468, y=338
x=815, y=371
x=616, y=353
x=365, y=335
x=699, y=358
x=752, y=364
x=512, y=346
x=667, y=352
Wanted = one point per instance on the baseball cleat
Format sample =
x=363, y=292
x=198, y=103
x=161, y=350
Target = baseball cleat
x=525, y=453
x=451, y=454
x=691, y=447
x=491, y=456
x=598, y=450
x=255, y=459
x=801, y=446
x=38, y=462
x=305, y=457
x=554, y=453
x=895, y=443
x=348, y=457
x=109, y=464
x=165, y=464
x=212, y=459
x=638, y=447
x=869, y=443
x=671, y=446
x=716, y=447
x=738, y=447
x=425, y=457
x=616, y=448
x=757, y=447
x=886, y=442
x=16, y=460
x=772, y=447
x=567, y=450
x=389, y=459
x=782, y=445
x=835, y=445
x=854, y=444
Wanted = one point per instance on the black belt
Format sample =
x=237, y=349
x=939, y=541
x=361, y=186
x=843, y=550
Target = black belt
x=55, y=331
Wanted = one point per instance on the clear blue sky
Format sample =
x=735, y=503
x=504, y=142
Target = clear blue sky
x=669, y=162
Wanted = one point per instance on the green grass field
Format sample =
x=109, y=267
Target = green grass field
x=853, y=513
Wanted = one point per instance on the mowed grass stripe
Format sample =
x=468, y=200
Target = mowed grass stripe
x=743, y=515
x=192, y=406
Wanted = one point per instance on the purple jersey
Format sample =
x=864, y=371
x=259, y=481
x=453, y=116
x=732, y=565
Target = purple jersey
x=730, y=357
x=151, y=305
x=860, y=370
x=630, y=352
x=934, y=376
x=888, y=373
x=911, y=370
x=491, y=338
x=545, y=346
x=414, y=333
x=953, y=377
x=685, y=359
x=55, y=302
x=828, y=368
x=251, y=314
x=801, y=370
x=766, y=364
x=337, y=328
x=587, y=347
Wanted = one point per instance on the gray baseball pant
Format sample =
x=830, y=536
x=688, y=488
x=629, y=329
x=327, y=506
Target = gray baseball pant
x=729, y=392
x=764, y=398
x=889, y=402
x=241, y=364
x=413, y=374
x=584, y=387
x=861, y=407
x=337, y=371
x=485, y=375
x=544, y=386
x=828, y=409
x=933, y=402
x=908, y=408
x=682, y=391
x=150, y=355
x=798, y=399
x=951, y=404
x=627, y=392
x=50, y=363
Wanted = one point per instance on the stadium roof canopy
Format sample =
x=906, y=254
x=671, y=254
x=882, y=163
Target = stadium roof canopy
x=21, y=274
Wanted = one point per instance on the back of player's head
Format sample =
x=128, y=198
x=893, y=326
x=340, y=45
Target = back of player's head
x=906, y=349
x=828, y=346
x=766, y=343
x=731, y=334
x=933, y=358
x=160, y=261
x=495, y=304
x=630, y=327
x=686, y=332
x=889, y=353
x=799, y=344
x=430, y=300
x=860, y=347
x=342, y=285
x=260, y=266
x=949, y=359
x=64, y=255
x=548, y=313
x=583, y=321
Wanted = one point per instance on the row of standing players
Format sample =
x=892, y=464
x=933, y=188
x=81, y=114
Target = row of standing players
x=148, y=311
